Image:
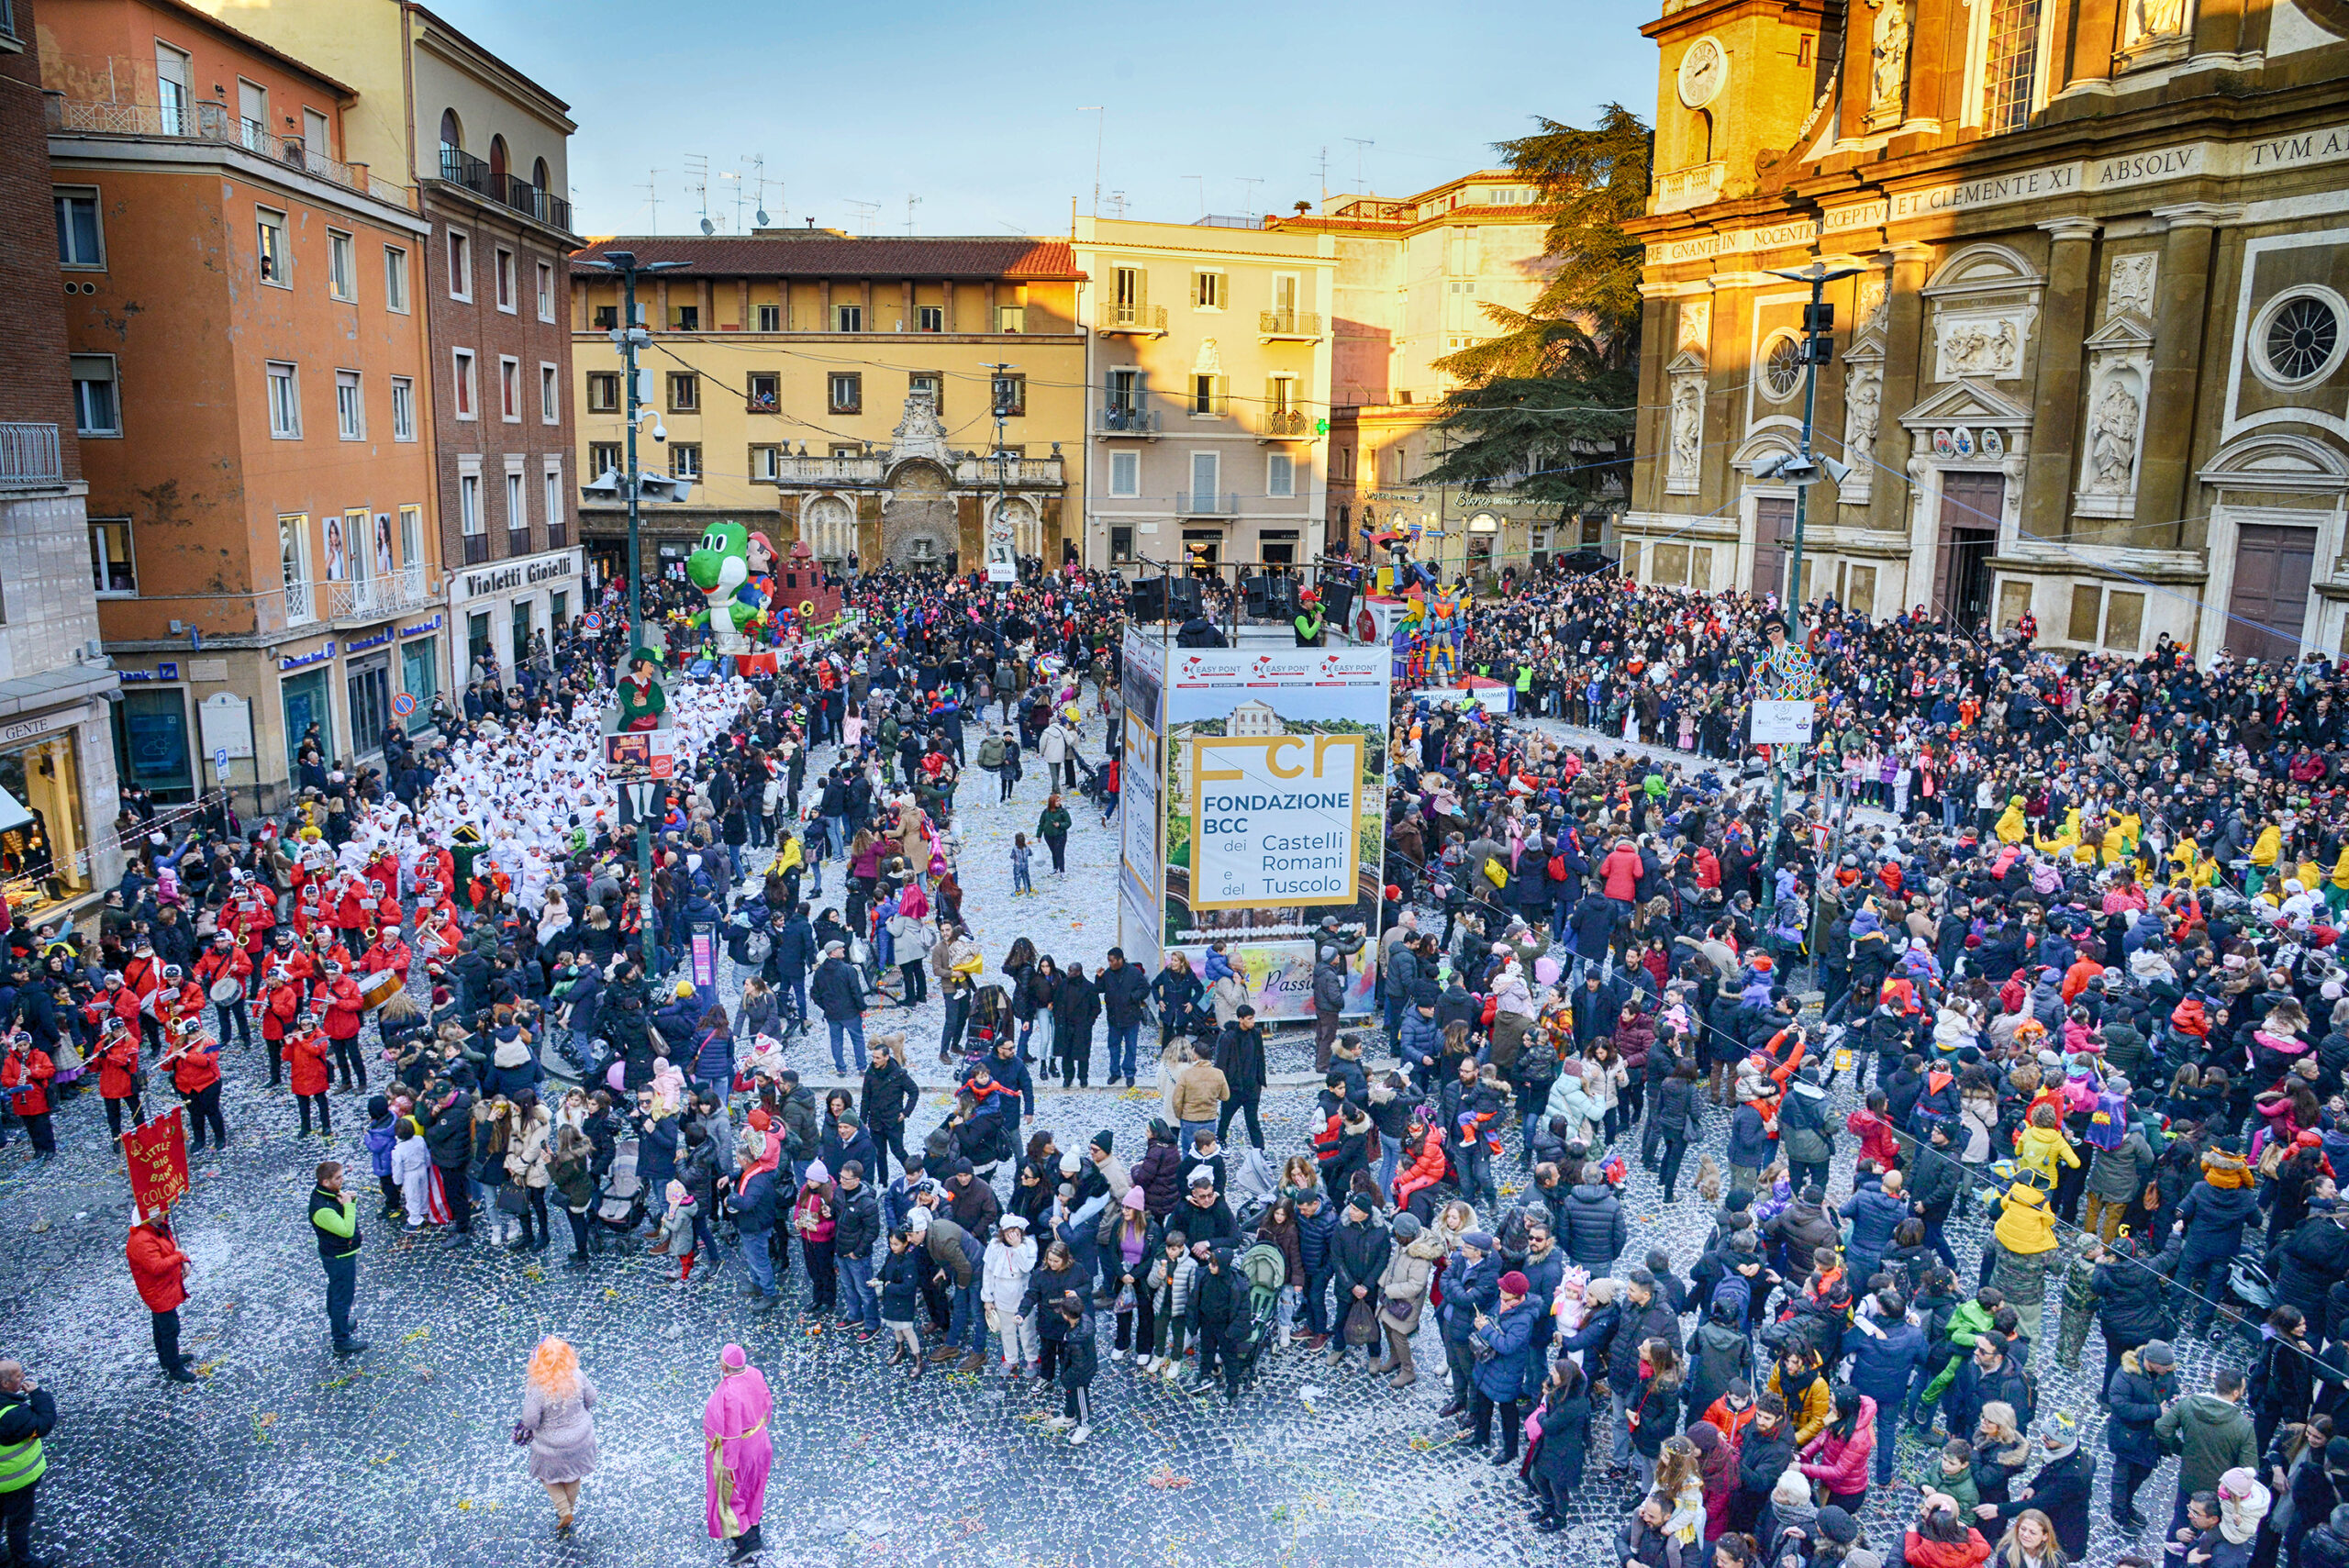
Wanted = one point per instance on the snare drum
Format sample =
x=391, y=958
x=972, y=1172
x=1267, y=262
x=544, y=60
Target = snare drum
x=379, y=988
x=227, y=991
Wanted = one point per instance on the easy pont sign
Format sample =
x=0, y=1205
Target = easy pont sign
x=1278, y=819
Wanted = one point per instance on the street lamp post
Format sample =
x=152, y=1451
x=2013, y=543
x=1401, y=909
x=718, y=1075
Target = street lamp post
x=1817, y=349
x=630, y=336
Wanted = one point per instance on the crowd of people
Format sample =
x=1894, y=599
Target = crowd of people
x=2073, y=919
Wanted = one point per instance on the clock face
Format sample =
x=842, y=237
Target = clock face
x=1703, y=71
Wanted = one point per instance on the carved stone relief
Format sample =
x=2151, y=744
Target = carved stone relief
x=1696, y=325
x=2131, y=288
x=1981, y=345
x=1685, y=425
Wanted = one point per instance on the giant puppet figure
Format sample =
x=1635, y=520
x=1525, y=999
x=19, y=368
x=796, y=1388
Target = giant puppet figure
x=721, y=568
x=1447, y=617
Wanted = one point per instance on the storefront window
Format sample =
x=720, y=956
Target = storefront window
x=521, y=623
x=477, y=649
x=558, y=612
x=151, y=743
x=308, y=702
x=420, y=678
x=367, y=687
x=44, y=842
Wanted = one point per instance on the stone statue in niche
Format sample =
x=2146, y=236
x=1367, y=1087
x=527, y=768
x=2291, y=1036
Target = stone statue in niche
x=1889, y=63
x=2112, y=440
x=1688, y=428
x=2143, y=19
x=1863, y=406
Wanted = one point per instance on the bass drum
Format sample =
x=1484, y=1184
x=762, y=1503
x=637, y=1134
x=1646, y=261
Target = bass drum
x=379, y=988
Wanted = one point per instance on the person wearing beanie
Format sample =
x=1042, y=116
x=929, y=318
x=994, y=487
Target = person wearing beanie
x=2140, y=1390
x=1505, y=1373
x=382, y=1134
x=1359, y=1250
x=2060, y=1488
x=1402, y=1289
x=2212, y=1218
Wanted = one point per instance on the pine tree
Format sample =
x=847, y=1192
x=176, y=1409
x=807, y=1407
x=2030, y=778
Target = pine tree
x=1547, y=408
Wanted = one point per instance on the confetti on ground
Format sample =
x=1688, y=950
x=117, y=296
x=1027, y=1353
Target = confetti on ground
x=1165, y=1480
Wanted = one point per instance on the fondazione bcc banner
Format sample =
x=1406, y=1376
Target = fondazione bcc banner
x=1254, y=804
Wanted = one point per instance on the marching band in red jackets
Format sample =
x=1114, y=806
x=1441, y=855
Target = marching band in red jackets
x=306, y=1055
x=387, y=951
x=25, y=1075
x=344, y=1004
x=222, y=960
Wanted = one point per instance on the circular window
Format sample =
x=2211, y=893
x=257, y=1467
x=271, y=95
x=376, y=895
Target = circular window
x=1782, y=368
x=2297, y=338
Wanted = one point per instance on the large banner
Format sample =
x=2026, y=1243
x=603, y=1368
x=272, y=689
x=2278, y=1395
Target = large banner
x=1263, y=799
x=156, y=1155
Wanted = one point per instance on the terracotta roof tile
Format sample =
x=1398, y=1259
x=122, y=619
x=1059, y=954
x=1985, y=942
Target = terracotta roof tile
x=824, y=256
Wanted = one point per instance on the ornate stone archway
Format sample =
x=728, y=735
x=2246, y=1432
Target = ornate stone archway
x=918, y=523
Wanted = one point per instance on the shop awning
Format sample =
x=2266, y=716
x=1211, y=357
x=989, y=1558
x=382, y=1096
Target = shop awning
x=12, y=812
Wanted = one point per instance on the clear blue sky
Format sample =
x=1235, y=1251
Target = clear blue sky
x=974, y=109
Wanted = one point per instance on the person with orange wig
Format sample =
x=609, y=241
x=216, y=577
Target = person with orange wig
x=558, y=1423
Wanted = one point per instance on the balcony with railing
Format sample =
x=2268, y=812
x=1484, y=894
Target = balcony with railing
x=206, y=121
x=476, y=549
x=558, y=536
x=411, y=587
x=1126, y=419
x=461, y=168
x=29, y=457
x=1207, y=503
x=1304, y=325
x=1023, y=472
x=1125, y=315
x=1283, y=425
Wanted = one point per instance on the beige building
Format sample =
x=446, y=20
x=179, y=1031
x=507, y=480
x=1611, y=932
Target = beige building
x=1413, y=278
x=842, y=391
x=1209, y=361
x=2091, y=364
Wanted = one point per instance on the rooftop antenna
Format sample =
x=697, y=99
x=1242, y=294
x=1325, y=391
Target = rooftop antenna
x=1360, y=143
x=758, y=178
x=698, y=185
x=1248, y=196
x=864, y=212
x=1325, y=179
x=1100, y=125
x=911, y=202
x=1118, y=200
x=730, y=174
x=653, y=198
x=1202, y=179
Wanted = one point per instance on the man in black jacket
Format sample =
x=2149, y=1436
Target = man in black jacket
x=1124, y=988
x=448, y=1115
x=1240, y=1057
x=839, y=990
x=1358, y=1254
x=1763, y=1455
x=856, y=1226
x=1219, y=1317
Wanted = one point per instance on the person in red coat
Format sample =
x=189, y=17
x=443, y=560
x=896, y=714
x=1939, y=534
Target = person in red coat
x=284, y=954
x=281, y=1004
x=387, y=951
x=226, y=961
x=195, y=1058
x=306, y=1055
x=119, y=1073
x=159, y=1268
x=25, y=1073
x=344, y=1005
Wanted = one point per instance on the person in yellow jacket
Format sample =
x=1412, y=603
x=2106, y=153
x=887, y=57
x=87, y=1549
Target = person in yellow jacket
x=2265, y=851
x=1800, y=1380
x=2010, y=828
x=2336, y=891
x=2187, y=862
x=2121, y=841
x=2024, y=1240
x=2042, y=1144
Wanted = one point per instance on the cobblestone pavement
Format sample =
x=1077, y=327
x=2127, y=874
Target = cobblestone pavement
x=285, y=1456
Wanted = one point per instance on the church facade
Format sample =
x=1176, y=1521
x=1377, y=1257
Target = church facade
x=2090, y=344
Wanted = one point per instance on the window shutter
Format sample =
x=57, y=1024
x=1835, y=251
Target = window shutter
x=1223, y=395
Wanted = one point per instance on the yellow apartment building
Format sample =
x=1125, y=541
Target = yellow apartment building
x=844, y=391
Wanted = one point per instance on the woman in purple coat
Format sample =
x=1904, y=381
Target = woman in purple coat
x=558, y=1412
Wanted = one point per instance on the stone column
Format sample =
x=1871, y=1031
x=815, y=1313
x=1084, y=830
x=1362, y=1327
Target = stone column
x=2180, y=296
x=1647, y=473
x=1904, y=353
x=2055, y=386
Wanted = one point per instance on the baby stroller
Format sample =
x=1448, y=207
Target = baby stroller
x=990, y=1020
x=1095, y=787
x=2247, y=1285
x=1267, y=1271
x=622, y=1204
